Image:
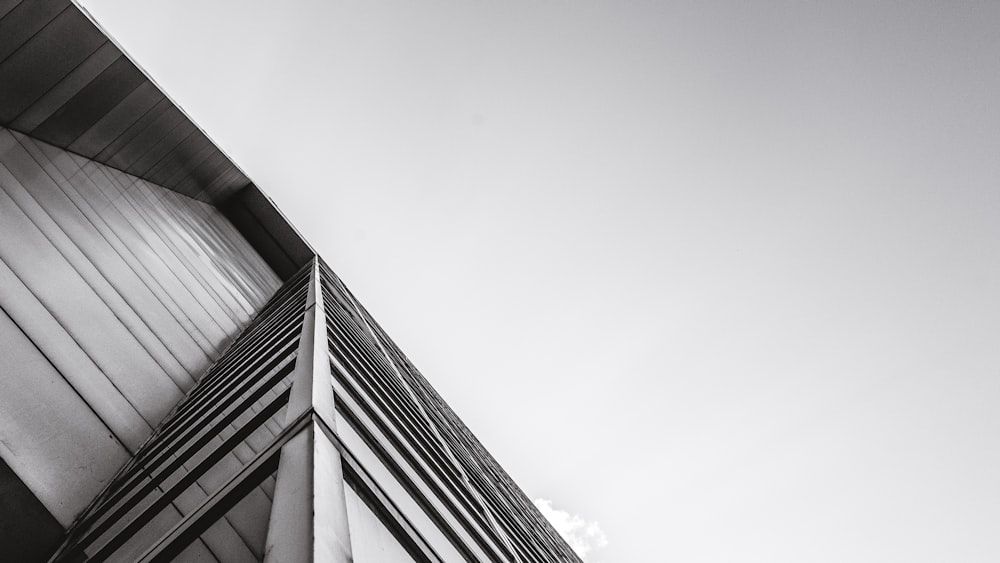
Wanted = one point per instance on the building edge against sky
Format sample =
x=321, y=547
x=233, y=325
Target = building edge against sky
x=150, y=289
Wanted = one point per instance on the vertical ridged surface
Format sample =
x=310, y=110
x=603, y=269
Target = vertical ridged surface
x=227, y=423
x=115, y=296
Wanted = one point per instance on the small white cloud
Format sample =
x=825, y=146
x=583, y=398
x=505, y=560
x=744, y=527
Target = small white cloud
x=581, y=535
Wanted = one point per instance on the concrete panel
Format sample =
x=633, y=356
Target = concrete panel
x=65, y=84
x=197, y=552
x=244, y=270
x=140, y=216
x=403, y=499
x=26, y=19
x=66, y=88
x=44, y=60
x=127, y=290
x=131, y=143
x=91, y=103
x=165, y=143
x=87, y=227
x=274, y=238
x=117, y=120
x=61, y=289
x=45, y=332
x=164, y=209
x=147, y=250
x=249, y=518
x=221, y=538
x=49, y=436
x=140, y=542
x=179, y=159
x=82, y=246
x=7, y=5
x=371, y=541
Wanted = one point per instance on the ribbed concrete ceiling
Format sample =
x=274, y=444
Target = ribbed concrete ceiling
x=64, y=82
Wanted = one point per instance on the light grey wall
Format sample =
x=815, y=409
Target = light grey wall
x=115, y=295
x=371, y=541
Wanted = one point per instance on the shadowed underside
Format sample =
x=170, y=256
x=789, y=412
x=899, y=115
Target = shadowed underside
x=161, y=319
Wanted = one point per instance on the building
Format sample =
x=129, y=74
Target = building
x=181, y=377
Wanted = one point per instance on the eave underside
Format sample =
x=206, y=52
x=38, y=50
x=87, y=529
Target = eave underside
x=65, y=82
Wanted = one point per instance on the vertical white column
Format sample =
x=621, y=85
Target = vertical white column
x=308, y=522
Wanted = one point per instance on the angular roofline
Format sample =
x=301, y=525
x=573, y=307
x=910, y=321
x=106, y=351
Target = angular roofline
x=75, y=87
x=240, y=206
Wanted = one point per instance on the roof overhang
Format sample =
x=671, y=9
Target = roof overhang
x=64, y=81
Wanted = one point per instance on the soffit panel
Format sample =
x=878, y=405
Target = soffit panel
x=65, y=83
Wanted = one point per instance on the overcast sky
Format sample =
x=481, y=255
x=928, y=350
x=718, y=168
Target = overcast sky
x=723, y=278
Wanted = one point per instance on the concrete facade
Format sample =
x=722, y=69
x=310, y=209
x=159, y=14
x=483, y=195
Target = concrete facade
x=182, y=378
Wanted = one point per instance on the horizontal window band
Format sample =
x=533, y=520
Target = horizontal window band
x=157, y=474
x=170, y=494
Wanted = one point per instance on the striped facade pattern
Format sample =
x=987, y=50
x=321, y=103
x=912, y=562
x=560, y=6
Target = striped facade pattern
x=181, y=377
x=414, y=483
x=224, y=425
x=66, y=83
x=469, y=495
x=115, y=296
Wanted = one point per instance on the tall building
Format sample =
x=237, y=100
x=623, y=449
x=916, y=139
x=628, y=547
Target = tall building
x=181, y=377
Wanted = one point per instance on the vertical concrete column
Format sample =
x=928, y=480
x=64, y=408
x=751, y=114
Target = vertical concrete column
x=308, y=522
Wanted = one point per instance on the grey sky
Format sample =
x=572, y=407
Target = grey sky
x=722, y=277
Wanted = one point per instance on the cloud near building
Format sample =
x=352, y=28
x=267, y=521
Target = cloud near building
x=581, y=535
